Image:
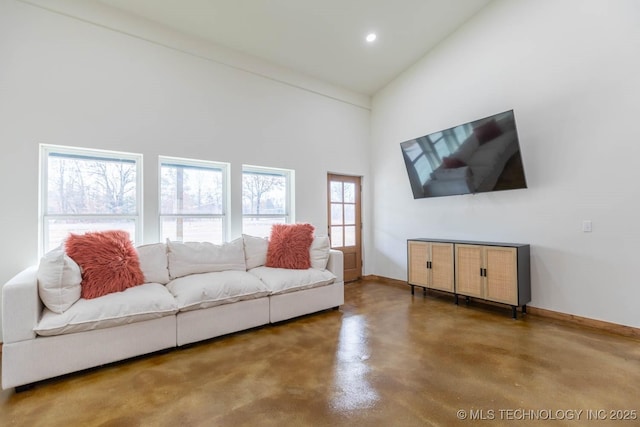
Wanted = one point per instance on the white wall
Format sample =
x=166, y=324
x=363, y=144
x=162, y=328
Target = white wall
x=68, y=82
x=571, y=71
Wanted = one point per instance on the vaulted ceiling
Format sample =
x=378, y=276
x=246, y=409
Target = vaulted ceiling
x=324, y=39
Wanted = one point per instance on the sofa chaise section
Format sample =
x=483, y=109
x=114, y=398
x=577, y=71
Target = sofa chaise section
x=27, y=358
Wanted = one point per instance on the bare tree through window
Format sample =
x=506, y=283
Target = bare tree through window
x=192, y=200
x=265, y=199
x=88, y=190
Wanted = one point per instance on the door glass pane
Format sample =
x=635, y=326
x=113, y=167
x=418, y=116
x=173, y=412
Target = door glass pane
x=336, y=191
x=349, y=214
x=350, y=235
x=336, y=213
x=336, y=237
x=349, y=192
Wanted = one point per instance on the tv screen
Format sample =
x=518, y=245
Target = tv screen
x=475, y=157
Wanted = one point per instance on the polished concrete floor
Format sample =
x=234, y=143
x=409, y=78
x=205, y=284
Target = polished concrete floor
x=386, y=358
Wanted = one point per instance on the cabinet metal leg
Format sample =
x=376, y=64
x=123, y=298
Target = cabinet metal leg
x=455, y=296
x=524, y=309
x=514, y=311
x=467, y=300
x=412, y=290
x=424, y=292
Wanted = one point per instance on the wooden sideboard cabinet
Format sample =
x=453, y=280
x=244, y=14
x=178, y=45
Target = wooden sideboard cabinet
x=497, y=272
x=430, y=265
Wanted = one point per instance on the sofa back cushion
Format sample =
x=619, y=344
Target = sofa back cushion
x=153, y=263
x=59, y=280
x=255, y=250
x=204, y=257
x=108, y=260
x=319, y=252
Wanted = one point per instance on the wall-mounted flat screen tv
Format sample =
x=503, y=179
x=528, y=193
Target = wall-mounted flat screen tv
x=475, y=157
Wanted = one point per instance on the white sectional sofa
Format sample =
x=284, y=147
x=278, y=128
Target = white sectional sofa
x=184, y=300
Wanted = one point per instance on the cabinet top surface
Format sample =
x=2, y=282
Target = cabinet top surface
x=469, y=242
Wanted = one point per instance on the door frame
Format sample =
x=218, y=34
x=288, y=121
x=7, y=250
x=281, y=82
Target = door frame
x=357, y=272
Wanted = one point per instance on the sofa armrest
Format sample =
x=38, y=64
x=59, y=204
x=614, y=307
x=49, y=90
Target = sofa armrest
x=21, y=306
x=336, y=264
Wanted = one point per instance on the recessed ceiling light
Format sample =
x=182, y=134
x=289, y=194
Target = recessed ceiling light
x=371, y=37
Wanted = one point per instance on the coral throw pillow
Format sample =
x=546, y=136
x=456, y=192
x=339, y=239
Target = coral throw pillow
x=108, y=260
x=289, y=246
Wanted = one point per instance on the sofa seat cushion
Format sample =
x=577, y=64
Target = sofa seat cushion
x=143, y=302
x=210, y=289
x=283, y=280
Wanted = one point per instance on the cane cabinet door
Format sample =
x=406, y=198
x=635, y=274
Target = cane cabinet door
x=431, y=265
x=469, y=270
x=501, y=274
x=418, y=263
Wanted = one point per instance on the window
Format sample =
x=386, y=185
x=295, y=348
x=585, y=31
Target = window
x=266, y=199
x=193, y=200
x=88, y=190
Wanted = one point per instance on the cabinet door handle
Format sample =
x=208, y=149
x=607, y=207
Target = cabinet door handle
x=481, y=274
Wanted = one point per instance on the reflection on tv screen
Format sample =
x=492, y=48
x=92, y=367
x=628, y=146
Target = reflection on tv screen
x=475, y=157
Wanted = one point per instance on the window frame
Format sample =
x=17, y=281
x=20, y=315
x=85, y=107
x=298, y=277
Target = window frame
x=204, y=164
x=289, y=175
x=109, y=155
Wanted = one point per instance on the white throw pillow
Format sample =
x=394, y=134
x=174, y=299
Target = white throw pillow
x=255, y=250
x=204, y=257
x=319, y=252
x=59, y=279
x=153, y=263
